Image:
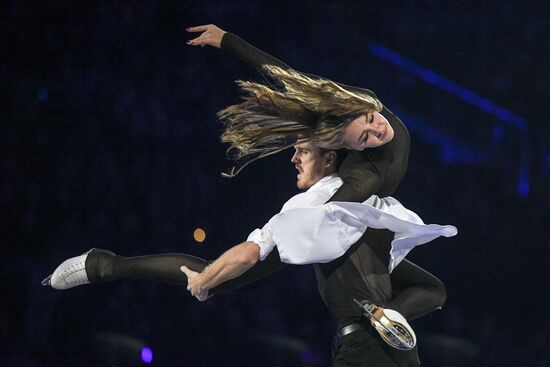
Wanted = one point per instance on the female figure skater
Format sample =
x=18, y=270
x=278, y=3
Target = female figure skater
x=333, y=116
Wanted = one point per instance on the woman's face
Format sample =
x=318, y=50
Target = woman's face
x=368, y=131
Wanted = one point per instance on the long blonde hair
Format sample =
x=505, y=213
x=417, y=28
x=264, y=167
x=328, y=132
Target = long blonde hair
x=272, y=118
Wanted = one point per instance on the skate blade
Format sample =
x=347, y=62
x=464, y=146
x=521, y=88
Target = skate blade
x=48, y=281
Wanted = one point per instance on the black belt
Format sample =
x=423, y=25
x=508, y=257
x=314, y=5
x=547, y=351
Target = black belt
x=348, y=329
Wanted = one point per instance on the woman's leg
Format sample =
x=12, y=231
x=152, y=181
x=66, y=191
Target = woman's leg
x=105, y=266
x=416, y=292
x=99, y=266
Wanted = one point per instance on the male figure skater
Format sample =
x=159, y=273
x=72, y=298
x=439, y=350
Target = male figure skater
x=340, y=281
x=361, y=273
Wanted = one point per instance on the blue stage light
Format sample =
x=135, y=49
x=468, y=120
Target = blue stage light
x=441, y=82
x=450, y=153
x=146, y=355
x=308, y=356
x=523, y=189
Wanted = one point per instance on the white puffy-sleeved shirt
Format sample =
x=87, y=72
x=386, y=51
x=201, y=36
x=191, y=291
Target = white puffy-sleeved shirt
x=306, y=231
x=316, y=195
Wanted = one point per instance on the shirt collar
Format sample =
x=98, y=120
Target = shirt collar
x=327, y=180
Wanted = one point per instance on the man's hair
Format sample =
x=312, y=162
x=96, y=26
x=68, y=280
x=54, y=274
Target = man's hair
x=271, y=118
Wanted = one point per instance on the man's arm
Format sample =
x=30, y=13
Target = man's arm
x=231, y=270
x=271, y=264
x=231, y=264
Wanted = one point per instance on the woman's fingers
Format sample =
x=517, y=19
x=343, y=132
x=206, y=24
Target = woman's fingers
x=199, y=28
x=211, y=35
x=196, y=41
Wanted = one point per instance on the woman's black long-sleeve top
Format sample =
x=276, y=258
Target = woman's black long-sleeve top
x=371, y=171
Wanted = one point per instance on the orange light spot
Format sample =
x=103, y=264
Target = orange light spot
x=199, y=235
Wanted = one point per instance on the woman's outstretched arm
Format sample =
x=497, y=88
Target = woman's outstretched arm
x=214, y=36
x=364, y=173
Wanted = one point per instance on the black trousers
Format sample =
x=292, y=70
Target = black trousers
x=365, y=348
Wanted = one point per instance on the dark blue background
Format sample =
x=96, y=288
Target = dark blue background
x=109, y=139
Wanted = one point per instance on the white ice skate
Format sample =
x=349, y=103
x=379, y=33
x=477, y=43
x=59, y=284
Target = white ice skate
x=70, y=273
x=391, y=326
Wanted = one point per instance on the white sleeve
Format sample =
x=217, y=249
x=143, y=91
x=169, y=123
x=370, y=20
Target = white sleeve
x=264, y=237
x=312, y=235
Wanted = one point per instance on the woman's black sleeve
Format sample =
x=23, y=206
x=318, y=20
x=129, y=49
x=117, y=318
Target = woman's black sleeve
x=359, y=184
x=360, y=181
x=249, y=54
x=255, y=58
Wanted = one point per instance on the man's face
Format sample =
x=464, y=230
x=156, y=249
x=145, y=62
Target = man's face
x=310, y=164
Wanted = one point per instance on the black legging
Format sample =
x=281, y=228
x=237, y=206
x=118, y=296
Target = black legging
x=105, y=266
x=416, y=292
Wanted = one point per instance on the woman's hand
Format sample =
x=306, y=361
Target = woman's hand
x=211, y=36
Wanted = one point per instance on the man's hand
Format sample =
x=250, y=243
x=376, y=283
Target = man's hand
x=231, y=264
x=194, y=284
x=211, y=36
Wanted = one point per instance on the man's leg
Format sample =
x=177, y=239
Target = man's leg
x=403, y=358
x=362, y=348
